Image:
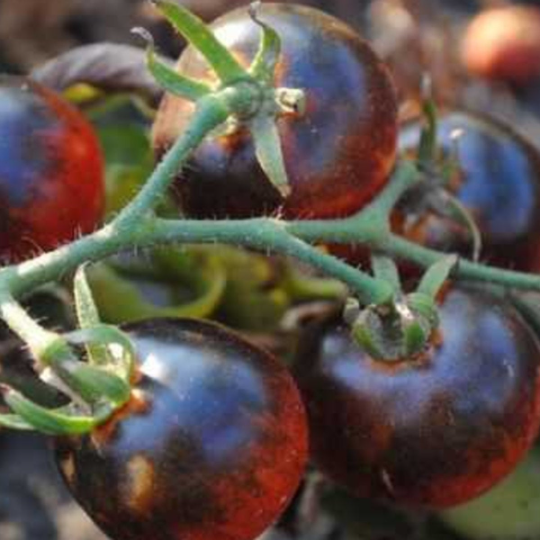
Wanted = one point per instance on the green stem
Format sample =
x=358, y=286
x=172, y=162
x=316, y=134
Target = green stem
x=38, y=339
x=270, y=235
x=404, y=249
x=137, y=227
x=209, y=114
x=370, y=225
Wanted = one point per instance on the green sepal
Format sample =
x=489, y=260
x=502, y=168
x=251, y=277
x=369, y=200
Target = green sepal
x=52, y=421
x=435, y=276
x=88, y=316
x=384, y=268
x=60, y=358
x=106, y=335
x=14, y=421
x=167, y=77
x=194, y=30
x=104, y=384
x=381, y=336
x=415, y=337
x=265, y=61
x=364, y=332
x=448, y=205
x=269, y=151
x=424, y=305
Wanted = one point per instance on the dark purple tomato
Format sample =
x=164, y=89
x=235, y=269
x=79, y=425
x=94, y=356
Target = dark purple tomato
x=432, y=431
x=51, y=170
x=212, y=445
x=499, y=185
x=337, y=155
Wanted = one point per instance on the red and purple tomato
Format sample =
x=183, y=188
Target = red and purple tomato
x=51, y=171
x=337, y=155
x=212, y=445
x=432, y=431
x=499, y=184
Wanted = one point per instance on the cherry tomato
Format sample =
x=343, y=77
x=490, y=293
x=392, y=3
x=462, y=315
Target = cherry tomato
x=212, y=445
x=51, y=170
x=504, y=44
x=499, y=185
x=433, y=431
x=337, y=155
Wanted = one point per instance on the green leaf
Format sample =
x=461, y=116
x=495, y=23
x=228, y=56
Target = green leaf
x=200, y=36
x=304, y=288
x=129, y=162
x=203, y=277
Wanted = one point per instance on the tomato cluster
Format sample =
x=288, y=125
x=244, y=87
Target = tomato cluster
x=214, y=439
x=51, y=170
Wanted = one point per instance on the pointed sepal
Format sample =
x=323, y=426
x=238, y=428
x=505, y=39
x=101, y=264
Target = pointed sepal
x=51, y=421
x=193, y=29
x=264, y=64
x=269, y=152
x=167, y=77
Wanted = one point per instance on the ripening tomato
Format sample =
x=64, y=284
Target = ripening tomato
x=431, y=431
x=51, y=170
x=337, y=155
x=499, y=184
x=503, y=44
x=212, y=445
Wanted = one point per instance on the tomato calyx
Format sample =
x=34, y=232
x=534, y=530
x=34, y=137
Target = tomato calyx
x=442, y=176
x=94, y=387
x=402, y=329
x=248, y=96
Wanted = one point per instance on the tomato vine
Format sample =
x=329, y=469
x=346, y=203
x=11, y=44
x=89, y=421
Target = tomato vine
x=240, y=94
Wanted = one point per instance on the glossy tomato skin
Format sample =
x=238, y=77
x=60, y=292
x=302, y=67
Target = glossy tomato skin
x=433, y=432
x=337, y=156
x=213, y=446
x=500, y=186
x=51, y=170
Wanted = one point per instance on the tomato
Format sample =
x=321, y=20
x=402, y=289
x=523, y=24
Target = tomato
x=51, y=170
x=337, y=155
x=499, y=185
x=432, y=431
x=212, y=445
x=504, y=44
